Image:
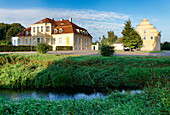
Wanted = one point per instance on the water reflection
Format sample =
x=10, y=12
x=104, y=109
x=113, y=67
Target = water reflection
x=58, y=94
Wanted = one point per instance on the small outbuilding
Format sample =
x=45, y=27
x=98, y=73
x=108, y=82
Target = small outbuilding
x=118, y=45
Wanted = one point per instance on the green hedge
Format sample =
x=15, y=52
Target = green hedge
x=8, y=48
x=63, y=48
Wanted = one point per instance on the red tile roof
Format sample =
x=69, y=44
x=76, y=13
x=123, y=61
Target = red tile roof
x=66, y=25
x=23, y=33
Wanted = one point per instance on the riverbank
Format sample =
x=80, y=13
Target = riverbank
x=153, y=101
x=52, y=71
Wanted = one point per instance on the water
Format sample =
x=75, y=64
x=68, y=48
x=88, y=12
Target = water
x=58, y=94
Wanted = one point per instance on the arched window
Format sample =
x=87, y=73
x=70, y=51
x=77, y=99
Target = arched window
x=151, y=37
x=60, y=30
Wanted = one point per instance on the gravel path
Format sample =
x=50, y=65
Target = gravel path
x=90, y=52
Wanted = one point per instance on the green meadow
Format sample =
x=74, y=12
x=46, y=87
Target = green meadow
x=151, y=74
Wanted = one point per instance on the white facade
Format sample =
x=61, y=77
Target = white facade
x=118, y=46
x=14, y=41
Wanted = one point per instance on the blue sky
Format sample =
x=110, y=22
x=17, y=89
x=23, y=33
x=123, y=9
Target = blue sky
x=97, y=16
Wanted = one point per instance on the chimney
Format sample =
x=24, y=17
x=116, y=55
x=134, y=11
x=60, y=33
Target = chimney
x=70, y=19
x=61, y=19
x=52, y=18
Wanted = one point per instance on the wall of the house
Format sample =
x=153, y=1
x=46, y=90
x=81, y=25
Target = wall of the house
x=118, y=46
x=146, y=31
x=82, y=42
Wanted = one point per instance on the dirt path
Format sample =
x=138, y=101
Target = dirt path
x=90, y=52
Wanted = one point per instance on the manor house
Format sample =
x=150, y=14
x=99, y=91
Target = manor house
x=149, y=35
x=63, y=33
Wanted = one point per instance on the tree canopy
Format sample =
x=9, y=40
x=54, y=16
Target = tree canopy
x=110, y=40
x=9, y=30
x=131, y=38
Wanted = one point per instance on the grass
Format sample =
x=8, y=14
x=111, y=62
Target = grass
x=155, y=51
x=45, y=70
x=153, y=101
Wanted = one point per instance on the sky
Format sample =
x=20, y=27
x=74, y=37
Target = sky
x=97, y=16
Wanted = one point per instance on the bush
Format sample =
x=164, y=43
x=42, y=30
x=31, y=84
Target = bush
x=64, y=48
x=42, y=48
x=8, y=48
x=165, y=46
x=107, y=50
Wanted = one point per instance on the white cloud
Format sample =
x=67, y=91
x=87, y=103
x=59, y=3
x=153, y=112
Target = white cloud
x=96, y=22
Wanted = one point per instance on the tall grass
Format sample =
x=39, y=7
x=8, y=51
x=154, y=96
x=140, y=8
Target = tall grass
x=44, y=70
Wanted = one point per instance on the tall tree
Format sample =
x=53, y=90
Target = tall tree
x=9, y=30
x=13, y=31
x=131, y=38
x=110, y=40
x=111, y=37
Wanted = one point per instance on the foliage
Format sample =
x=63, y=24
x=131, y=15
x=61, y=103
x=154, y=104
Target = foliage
x=110, y=40
x=131, y=38
x=64, y=48
x=43, y=71
x=107, y=50
x=7, y=48
x=42, y=48
x=165, y=46
x=154, y=100
x=9, y=30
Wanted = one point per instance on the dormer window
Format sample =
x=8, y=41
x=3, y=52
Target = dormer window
x=60, y=30
x=78, y=30
x=55, y=30
x=27, y=32
x=62, y=24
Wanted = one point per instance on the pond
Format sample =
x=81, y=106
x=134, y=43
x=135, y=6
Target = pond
x=59, y=94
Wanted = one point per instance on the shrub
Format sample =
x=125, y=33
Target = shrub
x=43, y=48
x=64, y=48
x=107, y=50
x=8, y=48
x=165, y=46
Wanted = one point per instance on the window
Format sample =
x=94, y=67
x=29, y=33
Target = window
x=151, y=37
x=34, y=29
x=79, y=41
x=26, y=41
x=143, y=46
x=27, y=32
x=34, y=41
x=144, y=31
x=144, y=38
x=60, y=40
x=62, y=24
x=41, y=28
x=48, y=40
x=60, y=31
x=47, y=28
x=19, y=41
x=14, y=42
x=38, y=40
x=38, y=29
x=54, y=41
x=30, y=42
x=55, y=31
x=42, y=40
